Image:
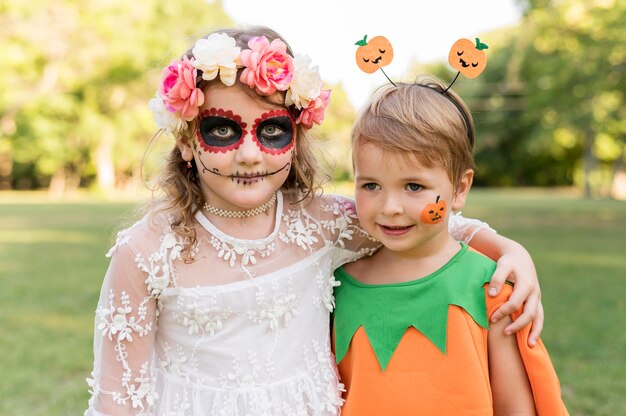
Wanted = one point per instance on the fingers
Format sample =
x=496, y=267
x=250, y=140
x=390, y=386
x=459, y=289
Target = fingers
x=528, y=315
x=498, y=278
x=537, y=327
x=519, y=295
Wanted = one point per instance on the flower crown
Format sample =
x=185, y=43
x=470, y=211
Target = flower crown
x=267, y=68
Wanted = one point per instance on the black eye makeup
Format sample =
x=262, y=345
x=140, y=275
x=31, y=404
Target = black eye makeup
x=220, y=130
x=274, y=132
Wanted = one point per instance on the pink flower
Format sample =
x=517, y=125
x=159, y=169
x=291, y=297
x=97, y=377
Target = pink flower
x=178, y=89
x=268, y=67
x=314, y=113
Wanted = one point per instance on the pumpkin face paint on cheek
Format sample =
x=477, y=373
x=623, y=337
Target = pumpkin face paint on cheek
x=273, y=132
x=220, y=130
x=434, y=213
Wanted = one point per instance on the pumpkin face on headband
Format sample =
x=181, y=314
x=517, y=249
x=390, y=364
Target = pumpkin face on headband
x=372, y=55
x=468, y=58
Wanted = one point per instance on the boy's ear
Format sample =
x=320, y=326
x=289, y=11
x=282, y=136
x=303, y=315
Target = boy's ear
x=463, y=189
x=185, y=151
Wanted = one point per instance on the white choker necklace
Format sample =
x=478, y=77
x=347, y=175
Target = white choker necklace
x=246, y=213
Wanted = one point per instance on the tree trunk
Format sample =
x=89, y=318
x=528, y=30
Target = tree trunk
x=589, y=162
x=104, y=162
x=6, y=167
x=618, y=184
x=56, y=189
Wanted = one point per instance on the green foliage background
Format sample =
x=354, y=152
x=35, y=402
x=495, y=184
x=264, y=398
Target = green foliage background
x=551, y=107
x=76, y=77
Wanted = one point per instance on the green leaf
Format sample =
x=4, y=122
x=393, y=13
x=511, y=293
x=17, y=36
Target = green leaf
x=362, y=42
x=481, y=46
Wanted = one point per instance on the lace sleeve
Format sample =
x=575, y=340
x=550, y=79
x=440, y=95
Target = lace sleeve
x=463, y=229
x=340, y=222
x=125, y=324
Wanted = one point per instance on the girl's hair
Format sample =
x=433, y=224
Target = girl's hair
x=178, y=187
x=418, y=121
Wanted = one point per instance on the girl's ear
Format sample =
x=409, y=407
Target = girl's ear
x=462, y=190
x=185, y=151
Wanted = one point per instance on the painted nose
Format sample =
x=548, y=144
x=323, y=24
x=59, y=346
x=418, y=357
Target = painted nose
x=249, y=152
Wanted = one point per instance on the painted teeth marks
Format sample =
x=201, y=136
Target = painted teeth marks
x=248, y=178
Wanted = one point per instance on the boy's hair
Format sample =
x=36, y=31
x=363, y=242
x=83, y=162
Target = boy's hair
x=418, y=121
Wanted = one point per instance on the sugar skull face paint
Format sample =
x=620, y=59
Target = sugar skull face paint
x=273, y=132
x=220, y=130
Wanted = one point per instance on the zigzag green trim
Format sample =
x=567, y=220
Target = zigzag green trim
x=386, y=311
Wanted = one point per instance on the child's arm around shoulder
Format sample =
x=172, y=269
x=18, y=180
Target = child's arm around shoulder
x=515, y=264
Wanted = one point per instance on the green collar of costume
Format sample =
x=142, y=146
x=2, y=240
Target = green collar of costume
x=386, y=311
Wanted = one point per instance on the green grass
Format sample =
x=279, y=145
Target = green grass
x=52, y=263
x=51, y=266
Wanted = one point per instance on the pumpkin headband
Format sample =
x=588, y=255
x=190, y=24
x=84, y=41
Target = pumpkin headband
x=267, y=68
x=468, y=59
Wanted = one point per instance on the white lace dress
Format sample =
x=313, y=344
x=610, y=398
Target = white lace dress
x=240, y=329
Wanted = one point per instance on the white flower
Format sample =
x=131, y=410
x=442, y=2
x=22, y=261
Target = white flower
x=218, y=53
x=247, y=381
x=328, y=298
x=164, y=119
x=169, y=240
x=306, y=83
x=119, y=323
x=157, y=284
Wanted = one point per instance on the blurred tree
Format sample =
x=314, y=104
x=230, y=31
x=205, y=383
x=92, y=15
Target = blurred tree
x=550, y=107
x=574, y=72
x=76, y=78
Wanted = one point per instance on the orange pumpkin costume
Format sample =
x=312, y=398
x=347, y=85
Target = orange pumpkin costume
x=439, y=365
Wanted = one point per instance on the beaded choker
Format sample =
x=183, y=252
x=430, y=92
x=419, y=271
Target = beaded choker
x=246, y=213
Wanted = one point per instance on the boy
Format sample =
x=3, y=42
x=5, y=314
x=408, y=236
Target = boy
x=410, y=325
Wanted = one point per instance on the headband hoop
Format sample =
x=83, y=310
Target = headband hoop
x=464, y=116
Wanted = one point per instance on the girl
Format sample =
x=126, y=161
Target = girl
x=217, y=301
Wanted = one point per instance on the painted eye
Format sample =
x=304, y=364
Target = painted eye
x=223, y=132
x=413, y=187
x=272, y=132
x=459, y=53
x=275, y=133
x=366, y=60
x=220, y=131
x=382, y=50
x=475, y=64
x=371, y=186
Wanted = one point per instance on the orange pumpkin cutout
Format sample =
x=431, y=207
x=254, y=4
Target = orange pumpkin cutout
x=467, y=58
x=373, y=55
x=434, y=213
